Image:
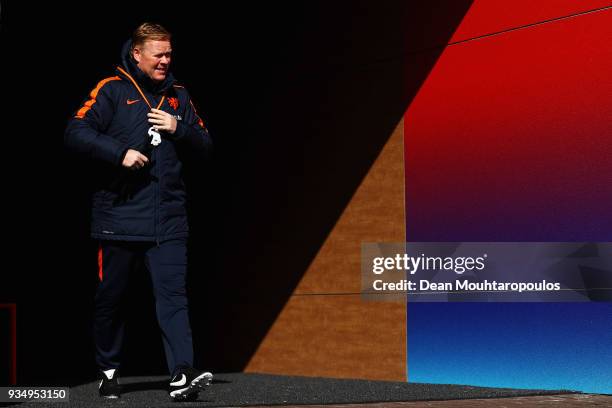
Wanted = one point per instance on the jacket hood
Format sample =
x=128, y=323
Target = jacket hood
x=129, y=65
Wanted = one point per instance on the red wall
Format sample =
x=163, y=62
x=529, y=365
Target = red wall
x=509, y=137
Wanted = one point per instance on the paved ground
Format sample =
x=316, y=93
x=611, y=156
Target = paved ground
x=560, y=401
x=239, y=389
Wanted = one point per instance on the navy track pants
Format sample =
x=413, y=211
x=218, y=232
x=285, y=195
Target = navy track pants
x=167, y=264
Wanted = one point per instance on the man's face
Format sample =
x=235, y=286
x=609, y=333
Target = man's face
x=153, y=58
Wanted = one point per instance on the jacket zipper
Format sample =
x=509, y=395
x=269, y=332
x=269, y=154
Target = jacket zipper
x=153, y=154
x=157, y=196
x=157, y=190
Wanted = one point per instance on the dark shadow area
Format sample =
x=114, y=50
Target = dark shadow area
x=5, y=345
x=300, y=99
x=144, y=386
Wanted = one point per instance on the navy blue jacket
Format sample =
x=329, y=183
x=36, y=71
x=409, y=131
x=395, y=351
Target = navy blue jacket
x=146, y=204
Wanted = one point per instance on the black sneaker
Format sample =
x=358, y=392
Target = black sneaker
x=187, y=383
x=109, y=386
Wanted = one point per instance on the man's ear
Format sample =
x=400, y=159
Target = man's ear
x=136, y=54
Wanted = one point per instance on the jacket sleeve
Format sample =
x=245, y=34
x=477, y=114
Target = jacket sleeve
x=191, y=131
x=85, y=131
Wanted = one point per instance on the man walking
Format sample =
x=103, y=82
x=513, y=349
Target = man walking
x=137, y=126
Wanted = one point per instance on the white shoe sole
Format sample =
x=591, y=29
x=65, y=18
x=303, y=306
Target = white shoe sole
x=196, y=385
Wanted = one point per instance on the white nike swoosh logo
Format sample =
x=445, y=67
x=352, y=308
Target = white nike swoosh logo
x=182, y=381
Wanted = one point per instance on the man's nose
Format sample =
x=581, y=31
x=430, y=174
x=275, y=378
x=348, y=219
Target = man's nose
x=165, y=60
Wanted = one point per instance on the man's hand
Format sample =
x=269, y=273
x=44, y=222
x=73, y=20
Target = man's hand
x=134, y=160
x=162, y=120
